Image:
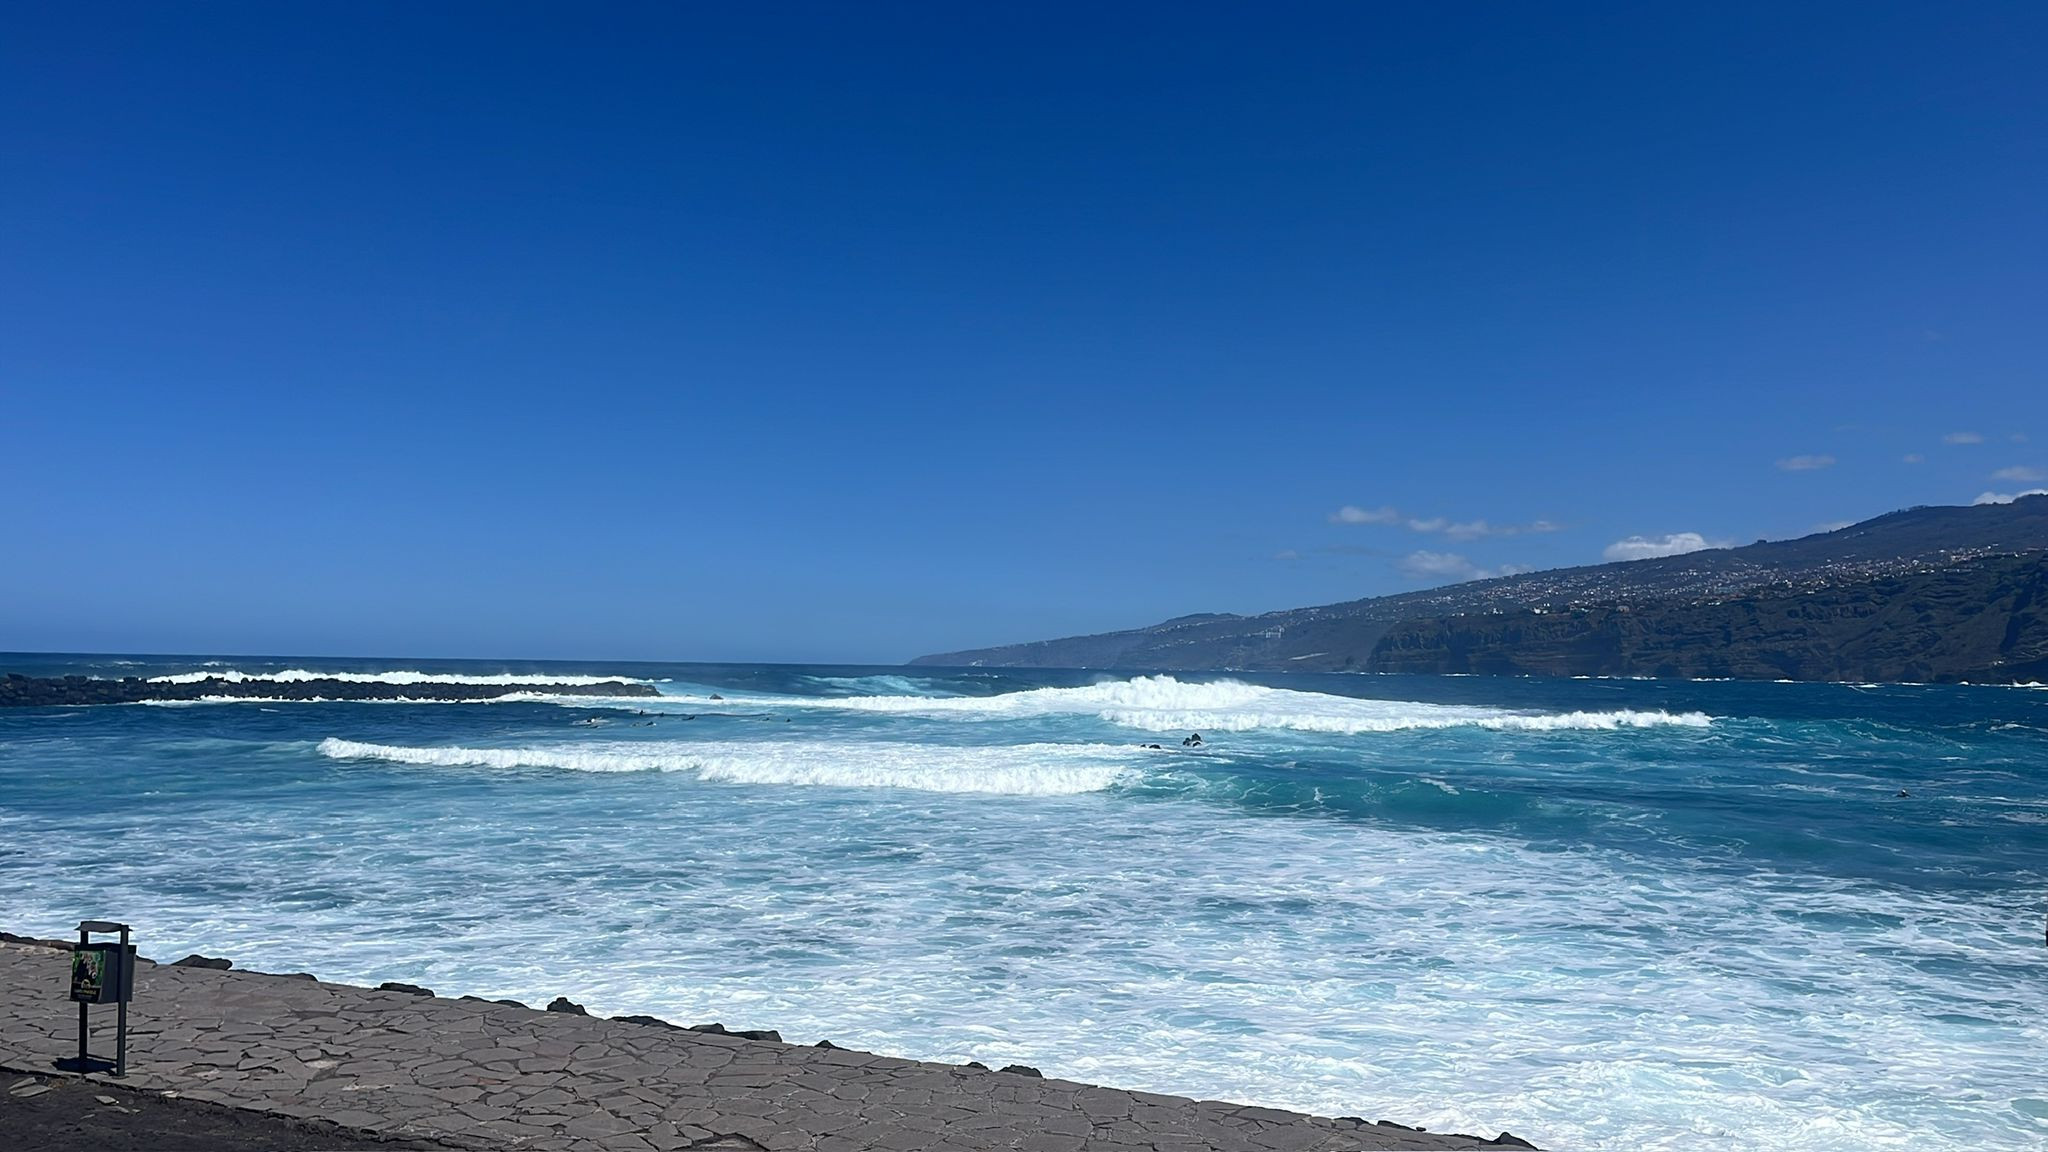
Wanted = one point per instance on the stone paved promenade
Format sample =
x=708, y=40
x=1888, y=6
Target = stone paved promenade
x=476, y=1075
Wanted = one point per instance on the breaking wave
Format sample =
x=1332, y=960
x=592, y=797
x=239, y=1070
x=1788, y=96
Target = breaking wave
x=1022, y=770
x=300, y=676
x=1165, y=704
x=899, y=685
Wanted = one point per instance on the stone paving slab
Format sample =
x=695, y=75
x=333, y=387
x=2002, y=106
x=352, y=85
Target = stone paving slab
x=480, y=1075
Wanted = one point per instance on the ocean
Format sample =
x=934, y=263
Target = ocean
x=1603, y=914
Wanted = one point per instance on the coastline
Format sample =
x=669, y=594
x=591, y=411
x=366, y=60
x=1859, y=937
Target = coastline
x=405, y=1064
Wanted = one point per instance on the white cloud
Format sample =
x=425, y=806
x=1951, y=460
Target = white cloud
x=2008, y=497
x=1651, y=547
x=1476, y=529
x=1455, y=529
x=1962, y=438
x=1806, y=463
x=1438, y=564
x=1352, y=514
x=1286, y=555
x=1451, y=567
x=1913, y=458
x=2019, y=474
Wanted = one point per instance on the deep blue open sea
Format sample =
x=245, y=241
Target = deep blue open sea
x=1603, y=914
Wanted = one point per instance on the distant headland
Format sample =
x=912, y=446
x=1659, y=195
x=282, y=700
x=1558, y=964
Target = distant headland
x=47, y=691
x=1930, y=594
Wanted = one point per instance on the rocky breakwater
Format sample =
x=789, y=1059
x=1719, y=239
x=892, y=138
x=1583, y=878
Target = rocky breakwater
x=19, y=691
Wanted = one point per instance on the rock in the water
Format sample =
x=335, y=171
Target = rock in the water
x=408, y=989
x=716, y=1029
x=564, y=1004
x=510, y=1003
x=976, y=1064
x=1023, y=1070
x=1509, y=1140
x=824, y=1044
x=758, y=1034
x=197, y=961
x=291, y=975
x=650, y=1021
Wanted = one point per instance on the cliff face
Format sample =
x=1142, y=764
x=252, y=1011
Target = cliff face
x=1981, y=620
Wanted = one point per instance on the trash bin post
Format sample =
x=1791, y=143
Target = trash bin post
x=121, y=1006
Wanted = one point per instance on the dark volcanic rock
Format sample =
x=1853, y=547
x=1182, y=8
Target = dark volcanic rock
x=1023, y=1070
x=51, y=691
x=487, y=1000
x=408, y=989
x=650, y=1021
x=564, y=1004
x=197, y=961
x=11, y=938
x=1509, y=1140
x=717, y=1029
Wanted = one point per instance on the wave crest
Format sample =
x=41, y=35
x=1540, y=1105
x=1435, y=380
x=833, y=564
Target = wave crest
x=1166, y=704
x=1020, y=770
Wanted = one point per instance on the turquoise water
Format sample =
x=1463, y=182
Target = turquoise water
x=1604, y=914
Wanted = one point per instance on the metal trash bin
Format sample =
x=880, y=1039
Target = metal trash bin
x=102, y=973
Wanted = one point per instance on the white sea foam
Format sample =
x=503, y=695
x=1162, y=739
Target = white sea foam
x=1020, y=770
x=1619, y=995
x=1584, y=999
x=1166, y=704
x=400, y=677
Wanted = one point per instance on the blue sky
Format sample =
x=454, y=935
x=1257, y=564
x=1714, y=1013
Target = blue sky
x=850, y=332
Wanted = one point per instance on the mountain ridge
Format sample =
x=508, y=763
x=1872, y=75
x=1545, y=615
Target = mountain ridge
x=1346, y=636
